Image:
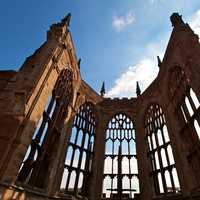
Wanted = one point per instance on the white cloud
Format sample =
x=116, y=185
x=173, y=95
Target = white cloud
x=194, y=22
x=125, y=85
x=146, y=69
x=120, y=22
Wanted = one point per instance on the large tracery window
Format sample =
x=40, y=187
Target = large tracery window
x=120, y=166
x=163, y=172
x=185, y=98
x=52, y=119
x=80, y=151
x=190, y=108
x=187, y=110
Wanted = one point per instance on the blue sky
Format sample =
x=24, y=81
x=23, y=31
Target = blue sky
x=118, y=40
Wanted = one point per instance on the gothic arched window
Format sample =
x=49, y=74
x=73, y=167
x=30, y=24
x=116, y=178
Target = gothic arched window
x=184, y=97
x=49, y=124
x=190, y=109
x=80, y=150
x=120, y=166
x=163, y=172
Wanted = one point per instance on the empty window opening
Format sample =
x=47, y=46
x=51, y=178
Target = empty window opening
x=120, y=165
x=80, y=151
x=160, y=153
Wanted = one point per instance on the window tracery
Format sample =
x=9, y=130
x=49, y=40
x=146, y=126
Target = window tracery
x=160, y=153
x=80, y=150
x=184, y=96
x=120, y=165
x=190, y=110
x=187, y=106
x=51, y=121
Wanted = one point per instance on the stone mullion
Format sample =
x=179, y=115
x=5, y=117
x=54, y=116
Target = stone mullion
x=63, y=155
x=80, y=158
x=112, y=160
x=168, y=161
x=155, y=174
x=85, y=129
x=153, y=162
x=162, y=133
x=87, y=171
x=160, y=121
x=42, y=126
x=70, y=169
x=72, y=159
x=169, y=168
x=185, y=109
x=68, y=179
x=66, y=150
x=172, y=180
x=129, y=166
x=191, y=102
x=51, y=129
x=49, y=108
x=159, y=157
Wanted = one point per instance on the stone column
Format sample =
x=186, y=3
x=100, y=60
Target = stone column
x=144, y=166
x=98, y=161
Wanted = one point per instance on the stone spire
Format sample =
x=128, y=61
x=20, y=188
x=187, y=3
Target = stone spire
x=176, y=20
x=102, y=92
x=66, y=19
x=159, y=61
x=138, y=91
x=58, y=30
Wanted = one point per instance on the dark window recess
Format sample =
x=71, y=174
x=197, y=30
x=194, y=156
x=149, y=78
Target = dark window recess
x=190, y=110
x=79, y=153
x=35, y=164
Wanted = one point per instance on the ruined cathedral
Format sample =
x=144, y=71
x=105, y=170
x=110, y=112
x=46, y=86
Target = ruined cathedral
x=59, y=139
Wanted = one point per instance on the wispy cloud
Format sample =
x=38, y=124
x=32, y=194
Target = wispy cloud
x=146, y=69
x=125, y=85
x=195, y=22
x=120, y=22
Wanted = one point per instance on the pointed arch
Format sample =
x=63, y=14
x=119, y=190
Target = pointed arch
x=160, y=151
x=81, y=139
x=43, y=140
x=120, y=134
